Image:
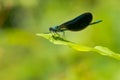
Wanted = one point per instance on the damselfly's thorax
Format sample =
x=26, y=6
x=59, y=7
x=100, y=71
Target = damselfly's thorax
x=57, y=29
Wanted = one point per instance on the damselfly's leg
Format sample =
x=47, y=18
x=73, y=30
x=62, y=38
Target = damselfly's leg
x=63, y=34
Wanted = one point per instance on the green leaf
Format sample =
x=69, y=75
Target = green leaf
x=106, y=52
x=56, y=39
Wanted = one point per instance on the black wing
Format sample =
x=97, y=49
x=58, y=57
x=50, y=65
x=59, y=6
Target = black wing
x=78, y=23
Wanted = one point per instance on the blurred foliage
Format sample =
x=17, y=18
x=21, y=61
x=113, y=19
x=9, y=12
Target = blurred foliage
x=24, y=56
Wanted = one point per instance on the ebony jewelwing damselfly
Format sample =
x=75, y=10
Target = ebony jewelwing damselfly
x=77, y=24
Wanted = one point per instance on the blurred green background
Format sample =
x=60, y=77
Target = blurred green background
x=25, y=56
